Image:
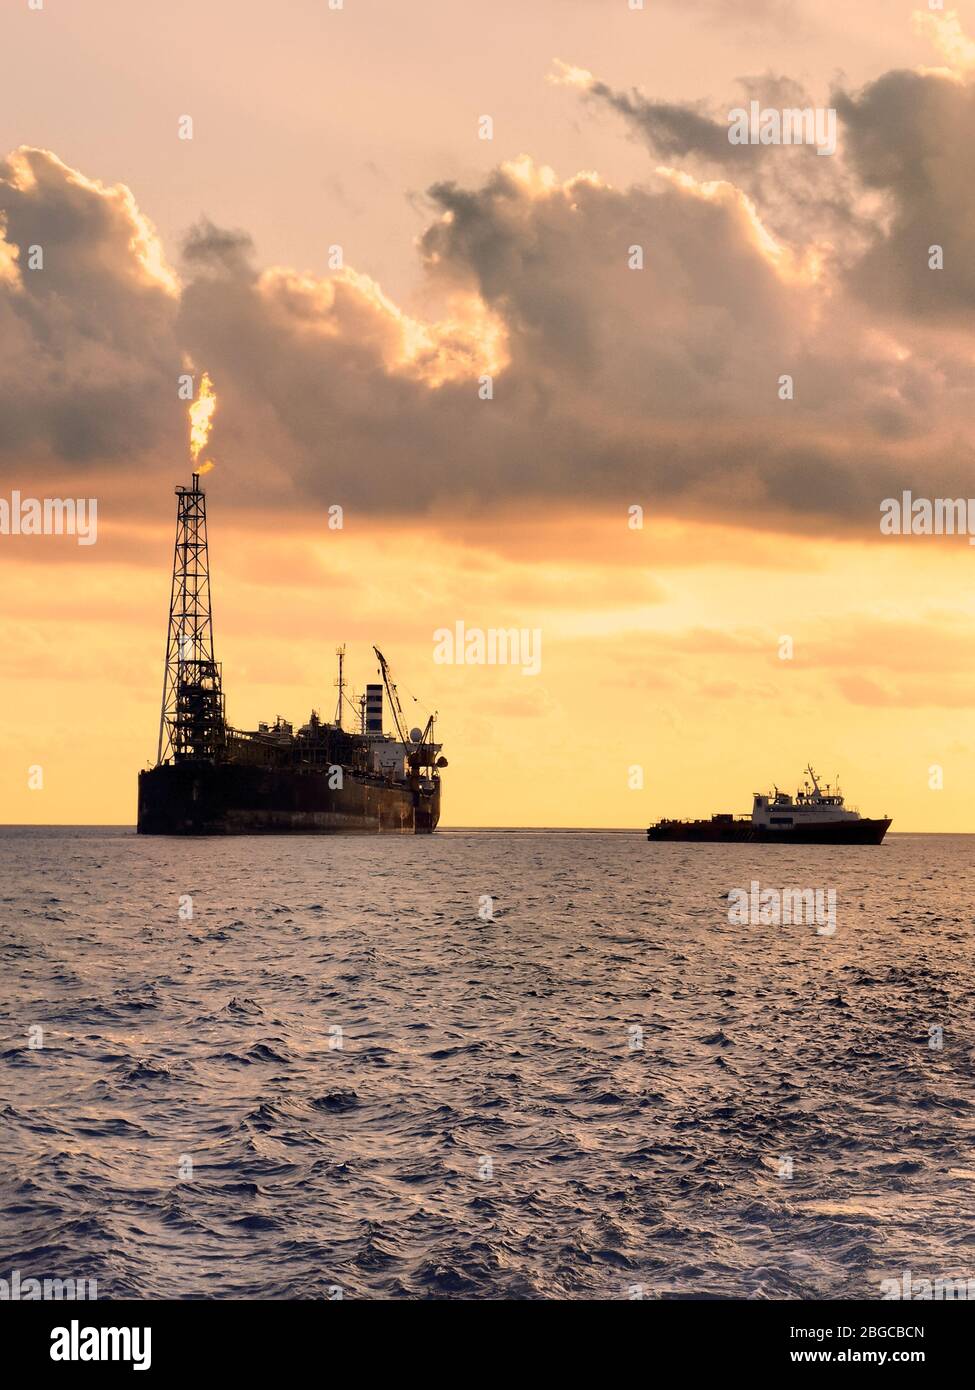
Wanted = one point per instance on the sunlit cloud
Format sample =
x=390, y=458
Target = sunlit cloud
x=944, y=31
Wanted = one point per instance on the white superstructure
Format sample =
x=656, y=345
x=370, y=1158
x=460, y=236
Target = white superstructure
x=811, y=805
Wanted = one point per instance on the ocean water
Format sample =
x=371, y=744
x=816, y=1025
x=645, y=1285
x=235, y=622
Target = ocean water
x=338, y=1076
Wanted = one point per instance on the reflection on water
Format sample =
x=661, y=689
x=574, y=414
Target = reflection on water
x=336, y=1075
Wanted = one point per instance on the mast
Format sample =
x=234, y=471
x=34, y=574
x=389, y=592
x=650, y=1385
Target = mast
x=340, y=653
x=191, y=721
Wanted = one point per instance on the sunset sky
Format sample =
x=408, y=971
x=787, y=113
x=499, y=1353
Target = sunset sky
x=613, y=388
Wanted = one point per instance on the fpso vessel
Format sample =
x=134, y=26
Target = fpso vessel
x=812, y=817
x=211, y=779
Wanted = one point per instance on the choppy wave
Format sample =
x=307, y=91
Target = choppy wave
x=337, y=1076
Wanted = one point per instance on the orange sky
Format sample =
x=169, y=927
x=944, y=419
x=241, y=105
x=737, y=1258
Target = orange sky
x=660, y=649
x=359, y=386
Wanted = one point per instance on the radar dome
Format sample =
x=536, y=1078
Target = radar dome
x=416, y=735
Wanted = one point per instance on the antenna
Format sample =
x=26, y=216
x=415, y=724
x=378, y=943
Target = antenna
x=340, y=653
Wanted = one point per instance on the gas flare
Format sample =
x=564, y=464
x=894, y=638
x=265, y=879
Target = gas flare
x=201, y=419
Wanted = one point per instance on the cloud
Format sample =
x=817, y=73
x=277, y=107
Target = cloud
x=804, y=198
x=218, y=249
x=90, y=358
x=908, y=136
x=912, y=693
x=611, y=385
x=944, y=31
x=871, y=661
x=670, y=374
x=899, y=187
x=670, y=128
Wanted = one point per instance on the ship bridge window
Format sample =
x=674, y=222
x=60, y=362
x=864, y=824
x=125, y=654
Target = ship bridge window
x=781, y=820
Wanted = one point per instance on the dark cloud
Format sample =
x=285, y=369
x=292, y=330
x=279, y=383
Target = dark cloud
x=611, y=385
x=904, y=137
x=801, y=194
x=217, y=248
x=909, y=137
x=90, y=355
x=672, y=128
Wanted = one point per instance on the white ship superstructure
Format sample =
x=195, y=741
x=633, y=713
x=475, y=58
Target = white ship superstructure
x=811, y=805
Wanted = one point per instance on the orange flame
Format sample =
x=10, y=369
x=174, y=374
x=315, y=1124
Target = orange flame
x=201, y=419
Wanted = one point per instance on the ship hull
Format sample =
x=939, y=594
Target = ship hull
x=201, y=798
x=859, y=832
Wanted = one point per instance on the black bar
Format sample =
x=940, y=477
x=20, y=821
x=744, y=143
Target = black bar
x=724, y=1337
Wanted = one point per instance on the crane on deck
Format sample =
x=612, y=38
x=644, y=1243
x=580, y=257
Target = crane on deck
x=398, y=716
